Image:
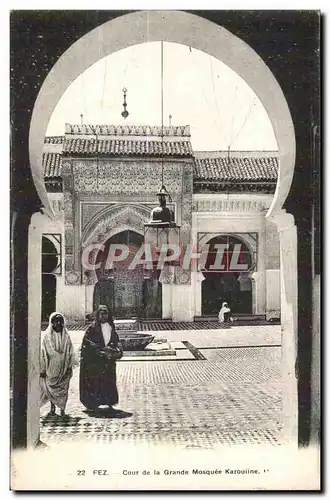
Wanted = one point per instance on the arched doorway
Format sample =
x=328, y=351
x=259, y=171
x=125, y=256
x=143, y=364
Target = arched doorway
x=179, y=27
x=128, y=292
x=49, y=263
x=227, y=276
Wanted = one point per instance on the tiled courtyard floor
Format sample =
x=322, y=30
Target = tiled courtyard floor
x=233, y=396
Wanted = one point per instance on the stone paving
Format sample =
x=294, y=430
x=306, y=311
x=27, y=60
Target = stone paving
x=162, y=325
x=233, y=396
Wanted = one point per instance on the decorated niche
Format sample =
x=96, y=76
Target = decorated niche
x=125, y=182
x=111, y=219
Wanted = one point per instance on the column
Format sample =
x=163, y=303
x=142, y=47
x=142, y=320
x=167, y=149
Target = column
x=89, y=294
x=289, y=292
x=183, y=304
x=39, y=224
x=316, y=364
x=34, y=327
x=166, y=278
x=166, y=301
x=259, y=276
x=197, y=278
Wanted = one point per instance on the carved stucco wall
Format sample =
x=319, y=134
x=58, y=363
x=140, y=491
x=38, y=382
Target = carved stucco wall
x=112, y=219
x=125, y=177
x=90, y=185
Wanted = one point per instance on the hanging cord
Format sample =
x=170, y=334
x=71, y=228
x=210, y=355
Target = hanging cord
x=104, y=81
x=93, y=129
x=233, y=119
x=247, y=116
x=84, y=97
x=216, y=101
x=229, y=164
x=162, y=118
x=204, y=95
x=162, y=105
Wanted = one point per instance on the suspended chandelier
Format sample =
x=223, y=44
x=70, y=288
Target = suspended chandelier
x=125, y=113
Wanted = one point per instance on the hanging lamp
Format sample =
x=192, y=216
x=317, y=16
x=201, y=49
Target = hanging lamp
x=162, y=228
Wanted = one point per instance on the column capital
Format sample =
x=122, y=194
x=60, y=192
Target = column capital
x=283, y=220
x=167, y=275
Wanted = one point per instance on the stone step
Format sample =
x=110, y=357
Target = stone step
x=164, y=352
x=126, y=325
x=237, y=317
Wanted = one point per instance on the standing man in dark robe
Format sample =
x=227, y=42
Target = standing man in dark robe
x=98, y=364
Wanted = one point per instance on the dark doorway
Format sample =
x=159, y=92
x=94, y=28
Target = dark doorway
x=49, y=263
x=104, y=293
x=152, y=296
x=230, y=282
x=128, y=292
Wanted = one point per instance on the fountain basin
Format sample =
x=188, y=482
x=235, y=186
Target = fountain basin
x=134, y=341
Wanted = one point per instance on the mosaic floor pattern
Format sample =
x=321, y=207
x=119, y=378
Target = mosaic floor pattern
x=155, y=326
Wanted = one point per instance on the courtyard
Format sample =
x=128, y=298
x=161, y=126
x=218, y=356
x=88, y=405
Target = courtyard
x=226, y=392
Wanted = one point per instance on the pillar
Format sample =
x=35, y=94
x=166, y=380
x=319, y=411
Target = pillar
x=182, y=303
x=259, y=276
x=89, y=294
x=34, y=328
x=289, y=293
x=316, y=364
x=178, y=294
x=166, y=301
x=166, y=278
x=258, y=292
x=197, y=278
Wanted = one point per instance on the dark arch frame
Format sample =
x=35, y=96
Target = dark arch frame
x=300, y=42
x=225, y=286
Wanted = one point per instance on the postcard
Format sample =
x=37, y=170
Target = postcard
x=165, y=279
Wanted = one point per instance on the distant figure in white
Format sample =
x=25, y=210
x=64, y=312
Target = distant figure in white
x=57, y=358
x=225, y=316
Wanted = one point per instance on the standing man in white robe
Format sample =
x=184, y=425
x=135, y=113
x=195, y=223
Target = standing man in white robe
x=56, y=364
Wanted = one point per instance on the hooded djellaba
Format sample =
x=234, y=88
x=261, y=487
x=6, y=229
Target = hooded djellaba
x=57, y=360
x=99, y=351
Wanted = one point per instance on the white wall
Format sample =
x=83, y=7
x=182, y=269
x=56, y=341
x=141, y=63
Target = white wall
x=71, y=300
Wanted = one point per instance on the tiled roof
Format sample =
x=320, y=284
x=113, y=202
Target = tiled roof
x=236, y=169
x=133, y=130
x=110, y=147
x=55, y=139
x=207, y=169
x=52, y=164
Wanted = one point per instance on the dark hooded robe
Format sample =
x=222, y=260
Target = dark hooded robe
x=97, y=372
